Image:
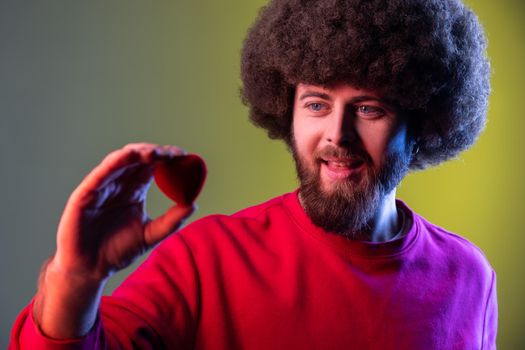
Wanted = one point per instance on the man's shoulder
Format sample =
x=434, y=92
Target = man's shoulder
x=258, y=215
x=451, y=246
x=262, y=209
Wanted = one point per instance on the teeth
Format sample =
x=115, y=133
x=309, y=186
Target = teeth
x=340, y=164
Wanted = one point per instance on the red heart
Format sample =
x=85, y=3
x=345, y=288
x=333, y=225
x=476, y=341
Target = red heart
x=181, y=178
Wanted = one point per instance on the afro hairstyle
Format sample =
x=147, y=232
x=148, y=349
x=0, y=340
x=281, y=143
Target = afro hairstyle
x=428, y=57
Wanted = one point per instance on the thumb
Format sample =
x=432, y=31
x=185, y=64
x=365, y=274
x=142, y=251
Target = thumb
x=158, y=229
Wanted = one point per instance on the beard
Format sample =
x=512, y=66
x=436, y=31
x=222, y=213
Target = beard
x=350, y=205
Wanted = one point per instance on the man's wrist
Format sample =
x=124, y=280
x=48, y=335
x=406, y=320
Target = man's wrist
x=66, y=304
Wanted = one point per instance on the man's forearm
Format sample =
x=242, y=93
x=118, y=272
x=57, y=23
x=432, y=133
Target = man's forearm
x=66, y=304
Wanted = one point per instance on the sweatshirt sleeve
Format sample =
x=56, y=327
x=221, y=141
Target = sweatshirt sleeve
x=156, y=307
x=26, y=335
x=490, y=326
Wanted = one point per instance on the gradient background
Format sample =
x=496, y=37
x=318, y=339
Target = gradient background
x=79, y=79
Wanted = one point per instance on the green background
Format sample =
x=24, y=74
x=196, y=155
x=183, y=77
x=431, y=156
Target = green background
x=79, y=79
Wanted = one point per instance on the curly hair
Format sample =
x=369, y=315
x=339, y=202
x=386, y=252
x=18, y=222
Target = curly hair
x=426, y=56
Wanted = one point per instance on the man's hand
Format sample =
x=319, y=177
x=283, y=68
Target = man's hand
x=103, y=228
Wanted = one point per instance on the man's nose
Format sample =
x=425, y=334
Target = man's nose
x=341, y=130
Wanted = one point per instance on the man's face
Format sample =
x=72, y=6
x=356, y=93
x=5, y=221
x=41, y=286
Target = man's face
x=351, y=149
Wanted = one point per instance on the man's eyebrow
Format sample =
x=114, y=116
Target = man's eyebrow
x=362, y=98
x=315, y=94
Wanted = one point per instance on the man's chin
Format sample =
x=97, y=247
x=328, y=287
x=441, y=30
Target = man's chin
x=340, y=189
x=331, y=192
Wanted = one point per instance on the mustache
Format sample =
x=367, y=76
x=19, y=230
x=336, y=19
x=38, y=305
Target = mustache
x=330, y=151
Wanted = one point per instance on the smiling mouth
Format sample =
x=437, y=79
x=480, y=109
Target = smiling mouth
x=341, y=168
x=347, y=163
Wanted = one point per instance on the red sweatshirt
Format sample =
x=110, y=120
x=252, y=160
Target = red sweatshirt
x=267, y=278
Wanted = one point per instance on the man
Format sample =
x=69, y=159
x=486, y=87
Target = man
x=362, y=92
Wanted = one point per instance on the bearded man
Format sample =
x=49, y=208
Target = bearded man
x=361, y=92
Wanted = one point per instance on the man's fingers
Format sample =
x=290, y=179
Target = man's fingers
x=156, y=230
x=117, y=162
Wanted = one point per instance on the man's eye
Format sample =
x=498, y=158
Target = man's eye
x=315, y=107
x=370, y=111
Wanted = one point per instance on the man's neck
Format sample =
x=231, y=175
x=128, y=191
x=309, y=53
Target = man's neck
x=387, y=223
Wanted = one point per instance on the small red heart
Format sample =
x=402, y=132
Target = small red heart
x=181, y=178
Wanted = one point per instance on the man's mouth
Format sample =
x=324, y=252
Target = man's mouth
x=340, y=168
x=348, y=163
